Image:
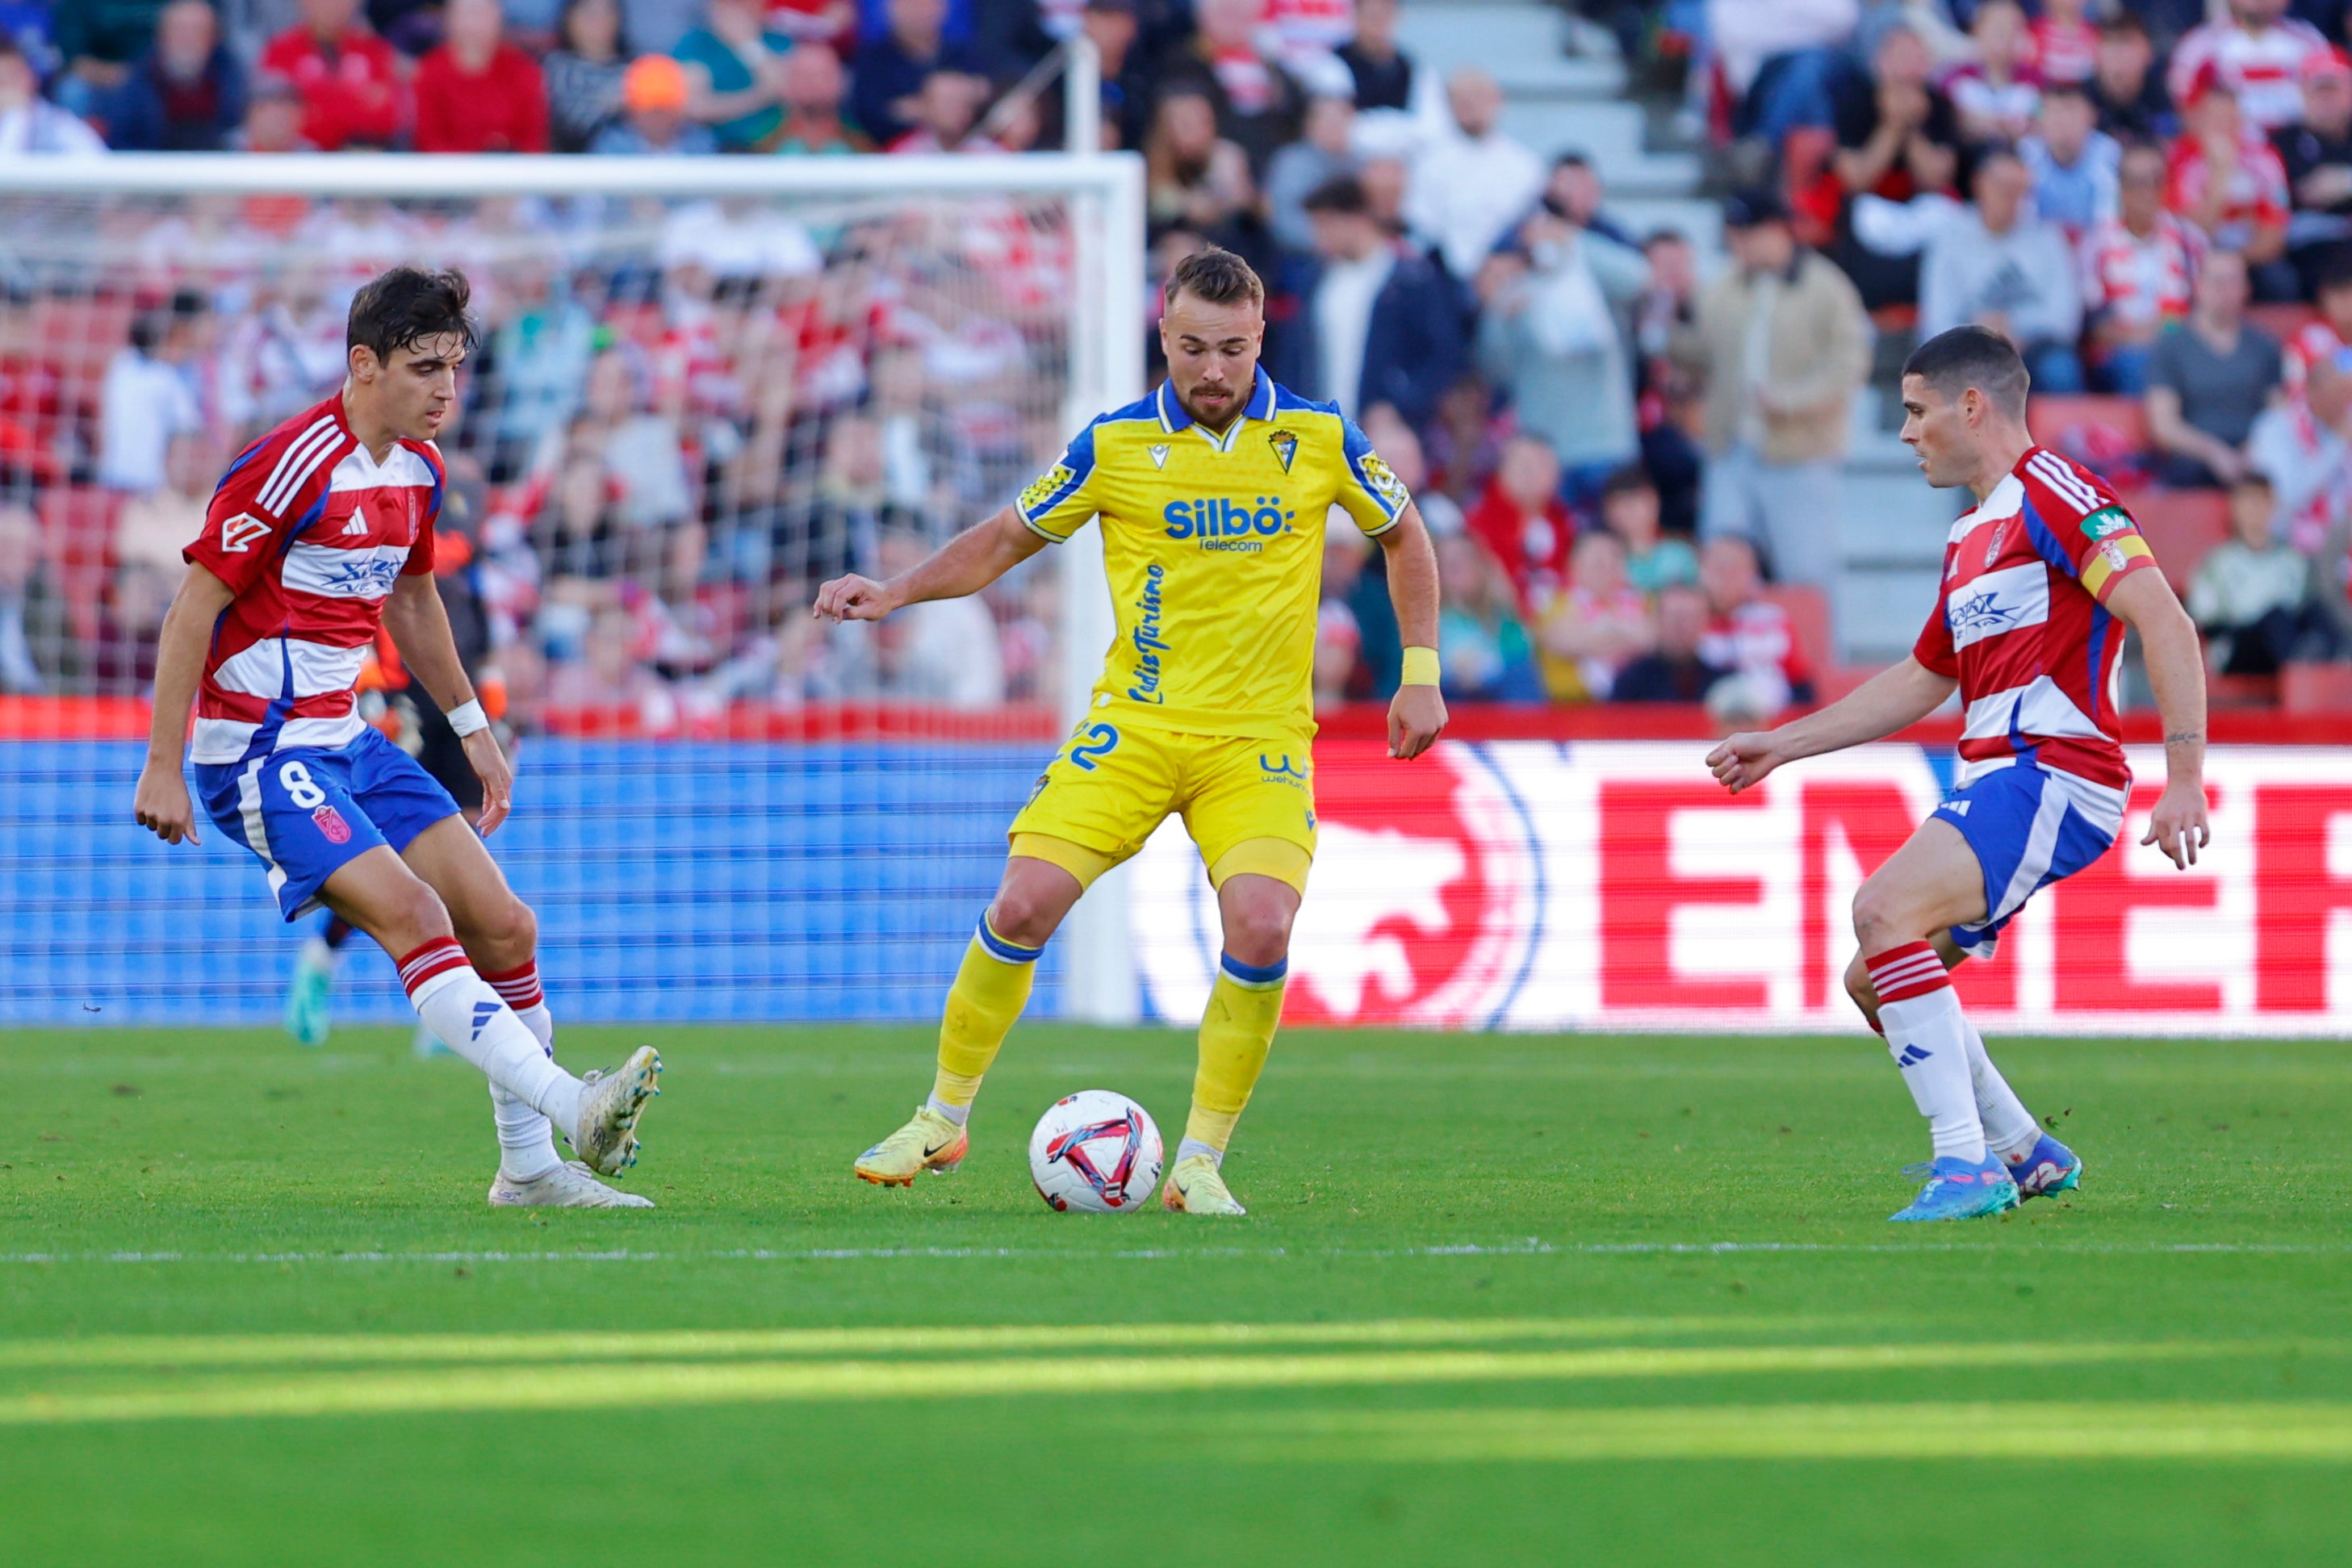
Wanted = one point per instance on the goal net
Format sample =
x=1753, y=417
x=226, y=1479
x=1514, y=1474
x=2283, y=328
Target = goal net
x=702, y=388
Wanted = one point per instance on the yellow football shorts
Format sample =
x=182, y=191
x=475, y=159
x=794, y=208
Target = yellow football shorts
x=1248, y=804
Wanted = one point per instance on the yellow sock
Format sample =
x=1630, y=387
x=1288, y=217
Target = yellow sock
x=990, y=990
x=1237, y=1032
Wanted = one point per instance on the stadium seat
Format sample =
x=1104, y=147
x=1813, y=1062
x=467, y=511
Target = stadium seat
x=2051, y=418
x=77, y=538
x=2316, y=688
x=2242, y=692
x=2180, y=525
x=1808, y=609
x=2282, y=321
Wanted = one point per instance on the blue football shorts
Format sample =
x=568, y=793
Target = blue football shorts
x=2030, y=826
x=307, y=811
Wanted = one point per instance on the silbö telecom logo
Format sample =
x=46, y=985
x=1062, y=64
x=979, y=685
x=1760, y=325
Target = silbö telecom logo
x=1228, y=527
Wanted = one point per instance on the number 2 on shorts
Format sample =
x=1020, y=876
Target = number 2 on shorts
x=1099, y=741
x=299, y=788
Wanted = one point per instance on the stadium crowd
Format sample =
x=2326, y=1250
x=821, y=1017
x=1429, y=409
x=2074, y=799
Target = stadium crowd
x=685, y=412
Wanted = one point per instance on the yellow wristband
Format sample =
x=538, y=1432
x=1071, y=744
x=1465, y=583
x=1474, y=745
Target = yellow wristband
x=1420, y=667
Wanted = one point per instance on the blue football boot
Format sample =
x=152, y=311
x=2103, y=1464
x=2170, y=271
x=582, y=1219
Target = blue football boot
x=2052, y=1167
x=1961, y=1189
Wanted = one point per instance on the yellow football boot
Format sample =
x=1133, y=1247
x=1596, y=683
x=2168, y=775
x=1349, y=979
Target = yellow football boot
x=1197, y=1187
x=928, y=1143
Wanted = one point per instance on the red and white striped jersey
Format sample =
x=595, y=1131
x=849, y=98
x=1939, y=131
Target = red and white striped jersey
x=2021, y=621
x=2264, y=68
x=2141, y=281
x=312, y=535
x=2314, y=344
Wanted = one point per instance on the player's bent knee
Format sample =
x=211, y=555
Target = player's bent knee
x=1257, y=927
x=1858, y=986
x=1882, y=918
x=505, y=936
x=1027, y=911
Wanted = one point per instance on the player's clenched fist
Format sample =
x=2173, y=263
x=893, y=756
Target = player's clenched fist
x=1416, y=718
x=1742, y=761
x=854, y=598
x=162, y=807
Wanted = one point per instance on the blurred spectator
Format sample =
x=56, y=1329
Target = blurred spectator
x=1748, y=635
x=349, y=79
x=889, y=70
x=1470, y=185
x=29, y=124
x=1778, y=60
x=2137, y=272
x=1339, y=639
x=2252, y=593
x=2072, y=165
x=2132, y=103
x=2210, y=376
x=1193, y=177
x=1654, y=560
x=477, y=92
x=146, y=400
x=1678, y=671
x=2298, y=445
x=611, y=673
x=155, y=525
x=20, y=563
x=186, y=94
x=1259, y=104
x=2327, y=341
x=1997, y=267
x=2316, y=154
x=1549, y=339
x=1595, y=629
x=1898, y=140
x=2226, y=180
x=1784, y=343
x=945, y=651
x=1376, y=323
x=1383, y=73
x=1997, y=92
x=734, y=74
x=654, y=98
x=1523, y=523
x=1320, y=155
x=2065, y=45
x=97, y=40
x=1126, y=81
x=1572, y=189
x=656, y=27
x=2257, y=52
x=1483, y=651
x=540, y=357
x=832, y=23
x=1385, y=180
x=815, y=87
x=584, y=73
x=946, y=111
x=274, y=113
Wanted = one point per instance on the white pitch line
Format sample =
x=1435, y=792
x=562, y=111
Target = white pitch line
x=1148, y=1254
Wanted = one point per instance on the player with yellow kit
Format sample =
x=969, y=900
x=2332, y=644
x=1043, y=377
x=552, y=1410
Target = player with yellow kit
x=1212, y=494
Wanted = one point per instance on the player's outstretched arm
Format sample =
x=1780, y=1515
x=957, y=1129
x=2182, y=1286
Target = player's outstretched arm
x=1897, y=697
x=161, y=802
x=964, y=565
x=1417, y=713
x=2176, y=672
x=419, y=625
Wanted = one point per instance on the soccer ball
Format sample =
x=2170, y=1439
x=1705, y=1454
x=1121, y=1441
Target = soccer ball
x=1096, y=1152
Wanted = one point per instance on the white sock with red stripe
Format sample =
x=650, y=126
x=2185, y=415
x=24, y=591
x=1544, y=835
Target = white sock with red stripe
x=2009, y=1128
x=475, y=1021
x=1927, y=1035
x=526, y=1141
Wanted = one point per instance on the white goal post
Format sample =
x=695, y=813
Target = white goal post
x=1098, y=199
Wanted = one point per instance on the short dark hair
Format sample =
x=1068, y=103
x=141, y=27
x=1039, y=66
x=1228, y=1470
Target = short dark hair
x=2253, y=479
x=2123, y=24
x=1214, y=276
x=407, y=305
x=1340, y=193
x=1627, y=480
x=2076, y=89
x=1951, y=362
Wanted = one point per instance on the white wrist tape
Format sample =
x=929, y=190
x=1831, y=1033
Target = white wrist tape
x=467, y=718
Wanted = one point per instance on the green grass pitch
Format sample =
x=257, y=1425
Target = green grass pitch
x=1501, y=1299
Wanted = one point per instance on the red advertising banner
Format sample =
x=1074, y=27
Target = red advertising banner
x=1536, y=885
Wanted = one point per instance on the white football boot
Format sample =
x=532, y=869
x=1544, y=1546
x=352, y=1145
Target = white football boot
x=610, y=1104
x=569, y=1186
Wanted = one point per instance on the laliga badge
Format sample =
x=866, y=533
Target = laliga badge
x=1285, y=447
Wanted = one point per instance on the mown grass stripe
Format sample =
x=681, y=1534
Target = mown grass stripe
x=606, y=1384
x=287, y=1350
x=2037, y=1432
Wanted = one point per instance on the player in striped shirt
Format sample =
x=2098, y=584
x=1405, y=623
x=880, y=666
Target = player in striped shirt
x=2035, y=581
x=320, y=532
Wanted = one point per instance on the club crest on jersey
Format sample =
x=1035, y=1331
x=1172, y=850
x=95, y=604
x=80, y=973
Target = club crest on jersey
x=1285, y=447
x=1160, y=456
x=331, y=823
x=1999, y=538
x=239, y=532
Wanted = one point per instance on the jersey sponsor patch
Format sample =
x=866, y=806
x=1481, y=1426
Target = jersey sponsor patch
x=2105, y=521
x=1998, y=601
x=1381, y=481
x=1043, y=489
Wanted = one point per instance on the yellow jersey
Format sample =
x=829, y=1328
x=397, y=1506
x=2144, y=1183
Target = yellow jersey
x=1213, y=545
